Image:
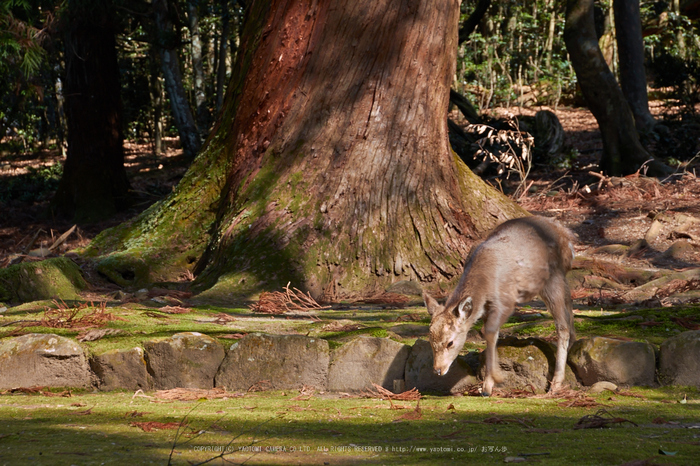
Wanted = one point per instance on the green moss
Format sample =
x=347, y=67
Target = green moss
x=55, y=278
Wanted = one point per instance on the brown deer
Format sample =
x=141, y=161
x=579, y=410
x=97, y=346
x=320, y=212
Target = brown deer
x=520, y=259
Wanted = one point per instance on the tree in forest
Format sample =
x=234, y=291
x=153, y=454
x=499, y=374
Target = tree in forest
x=633, y=78
x=94, y=183
x=329, y=166
x=622, y=151
x=172, y=75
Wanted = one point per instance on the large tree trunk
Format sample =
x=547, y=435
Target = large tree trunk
x=622, y=151
x=170, y=64
x=630, y=48
x=330, y=166
x=94, y=183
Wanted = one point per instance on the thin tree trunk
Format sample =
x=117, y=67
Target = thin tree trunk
x=331, y=157
x=622, y=151
x=200, y=97
x=223, y=54
x=94, y=183
x=170, y=65
x=156, y=94
x=473, y=20
x=630, y=47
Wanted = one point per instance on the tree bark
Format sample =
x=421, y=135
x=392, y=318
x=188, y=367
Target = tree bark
x=170, y=65
x=630, y=48
x=94, y=183
x=622, y=151
x=330, y=166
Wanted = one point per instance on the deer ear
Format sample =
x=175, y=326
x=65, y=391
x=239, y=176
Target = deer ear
x=465, y=308
x=430, y=303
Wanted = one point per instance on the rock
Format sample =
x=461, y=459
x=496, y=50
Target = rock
x=526, y=362
x=621, y=362
x=185, y=360
x=56, y=278
x=405, y=287
x=600, y=387
x=419, y=372
x=125, y=369
x=283, y=361
x=356, y=365
x=45, y=360
x=678, y=250
x=679, y=359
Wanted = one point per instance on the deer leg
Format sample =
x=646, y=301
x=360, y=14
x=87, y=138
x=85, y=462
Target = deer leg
x=497, y=315
x=493, y=372
x=557, y=297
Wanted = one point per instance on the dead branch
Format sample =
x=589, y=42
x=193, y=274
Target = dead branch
x=290, y=302
x=601, y=418
x=381, y=392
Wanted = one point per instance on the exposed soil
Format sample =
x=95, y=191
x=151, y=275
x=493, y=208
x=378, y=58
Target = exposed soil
x=602, y=211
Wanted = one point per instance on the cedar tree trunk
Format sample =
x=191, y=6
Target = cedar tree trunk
x=200, y=97
x=170, y=65
x=330, y=166
x=94, y=183
x=622, y=151
x=630, y=47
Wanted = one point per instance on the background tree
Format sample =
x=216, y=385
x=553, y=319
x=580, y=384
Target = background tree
x=94, y=183
x=329, y=166
x=170, y=66
x=622, y=151
x=633, y=78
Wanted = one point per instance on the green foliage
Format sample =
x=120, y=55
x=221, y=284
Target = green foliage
x=509, y=58
x=37, y=185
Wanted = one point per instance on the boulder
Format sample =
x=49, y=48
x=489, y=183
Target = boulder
x=419, y=372
x=121, y=368
x=679, y=359
x=525, y=363
x=608, y=359
x=281, y=361
x=185, y=360
x=55, y=278
x=45, y=360
x=356, y=365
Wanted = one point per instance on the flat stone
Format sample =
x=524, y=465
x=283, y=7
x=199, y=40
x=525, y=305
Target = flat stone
x=356, y=365
x=419, y=372
x=122, y=369
x=44, y=360
x=283, y=362
x=608, y=359
x=679, y=359
x=185, y=360
x=527, y=362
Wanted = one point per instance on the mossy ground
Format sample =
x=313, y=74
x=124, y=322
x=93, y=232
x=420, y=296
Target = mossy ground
x=145, y=321
x=279, y=428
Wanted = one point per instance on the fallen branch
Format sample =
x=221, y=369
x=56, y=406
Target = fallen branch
x=602, y=418
x=381, y=392
x=290, y=302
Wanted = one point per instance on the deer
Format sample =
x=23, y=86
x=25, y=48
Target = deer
x=520, y=259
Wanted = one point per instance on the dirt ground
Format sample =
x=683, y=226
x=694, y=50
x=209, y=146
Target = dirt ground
x=656, y=222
